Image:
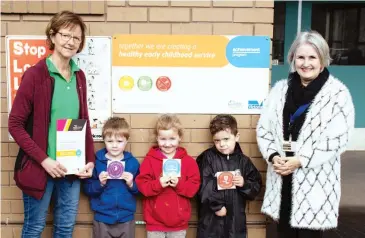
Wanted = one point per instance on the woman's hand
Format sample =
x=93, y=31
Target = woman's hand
x=87, y=171
x=54, y=168
x=291, y=163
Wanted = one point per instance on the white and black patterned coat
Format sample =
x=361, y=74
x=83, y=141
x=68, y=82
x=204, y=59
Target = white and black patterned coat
x=316, y=189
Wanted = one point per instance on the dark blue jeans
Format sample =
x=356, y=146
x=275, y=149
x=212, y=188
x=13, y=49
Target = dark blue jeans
x=66, y=196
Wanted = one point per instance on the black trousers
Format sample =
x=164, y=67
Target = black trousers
x=284, y=229
x=290, y=232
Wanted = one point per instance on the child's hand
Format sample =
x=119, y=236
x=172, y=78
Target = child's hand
x=222, y=212
x=103, y=177
x=165, y=181
x=174, y=181
x=238, y=181
x=128, y=177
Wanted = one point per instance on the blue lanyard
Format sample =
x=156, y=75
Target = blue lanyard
x=298, y=112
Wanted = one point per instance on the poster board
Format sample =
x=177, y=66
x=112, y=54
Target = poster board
x=190, y=73
x=95, y=60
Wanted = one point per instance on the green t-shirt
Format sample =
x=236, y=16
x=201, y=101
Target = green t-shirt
x=65, y=102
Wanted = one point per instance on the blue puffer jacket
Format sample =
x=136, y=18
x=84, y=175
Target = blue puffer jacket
x=115, y=202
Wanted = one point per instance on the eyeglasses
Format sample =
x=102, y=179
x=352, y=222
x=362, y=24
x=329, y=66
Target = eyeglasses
x=67, y=37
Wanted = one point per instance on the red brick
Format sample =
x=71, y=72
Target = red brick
x=5, y=207
x=10, y=192
x=7, y=164
x=235, y=3
x=5, y=134
x=65, y=5
x=4, y=119
x=255, y=152
x=17, y=206
x=116, y=3
x=246, y=149
x=264, y=30
x=52, y=6
x=256, y=218
x=108, y=29
x=6, y=232
x=4, y=105
x=127, y=117
x=257, y=232
x=140, y=149
x=3, y=32
x=232, y=29
x=169, y=14
x=255, y=119
x=84, y=206
x=36, y=17
x=83, y=232
x=254, y=15
x=13, y=149
x=194, y=121
x=84, y=217
x=6, y=7
x=5, y=178
x=212, y=14
x=150, y=3
x=195, y=149
x=243, y=121
x=201, y=135
x=259, y=163
x=35, y=6
x=192, y=28
x=187, y=3
x=20, y=6
x=247, y=135
x=4, y=149
x=127, y=14
x=266, y=3
x=150, y=28
x=97, y=7
x=81, y=7
x=26, y=28
x=10, y=17
x=140, y=135
x=143, y=120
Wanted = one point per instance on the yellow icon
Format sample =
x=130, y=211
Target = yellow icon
x=126, y=83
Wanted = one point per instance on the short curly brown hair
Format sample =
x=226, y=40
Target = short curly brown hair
x=65, y=19
x=223, y=122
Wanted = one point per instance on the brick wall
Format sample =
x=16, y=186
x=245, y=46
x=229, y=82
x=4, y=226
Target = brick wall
x=134, y=17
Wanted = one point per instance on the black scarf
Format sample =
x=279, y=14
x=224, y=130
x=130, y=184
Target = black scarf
x=298, y=95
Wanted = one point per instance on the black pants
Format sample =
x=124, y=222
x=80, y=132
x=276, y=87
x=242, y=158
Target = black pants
x=290, y=232
x=284, y=229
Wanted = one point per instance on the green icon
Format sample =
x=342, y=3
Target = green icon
x=144, y=83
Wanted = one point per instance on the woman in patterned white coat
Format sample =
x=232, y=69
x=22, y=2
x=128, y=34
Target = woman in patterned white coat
x=303, y=129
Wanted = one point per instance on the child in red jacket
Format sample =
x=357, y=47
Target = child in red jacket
x=168, y=178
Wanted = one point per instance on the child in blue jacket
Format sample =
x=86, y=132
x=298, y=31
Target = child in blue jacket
x=112, y=188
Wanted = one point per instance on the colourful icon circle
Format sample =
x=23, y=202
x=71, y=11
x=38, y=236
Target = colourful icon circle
x=163, y=83
x=144, y=83
x=115, y=169
x=225, y=180
x=126, y=83
x=78, y=153
x=171, y=167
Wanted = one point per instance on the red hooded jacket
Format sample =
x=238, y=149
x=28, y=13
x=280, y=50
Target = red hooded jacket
x=167, y=209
